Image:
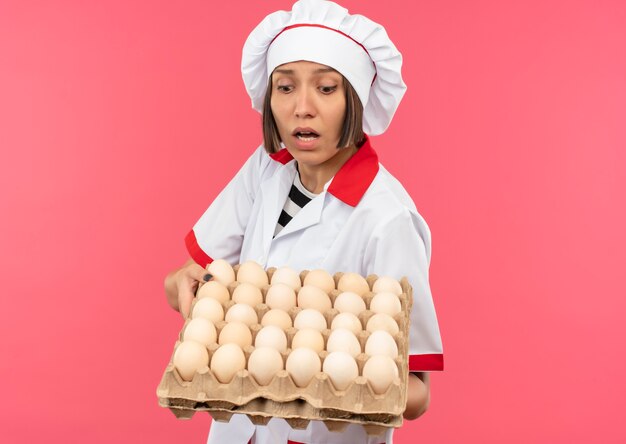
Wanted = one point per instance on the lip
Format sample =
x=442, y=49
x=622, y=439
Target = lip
x=302, y=145
x=305, y=146
x=304, y=130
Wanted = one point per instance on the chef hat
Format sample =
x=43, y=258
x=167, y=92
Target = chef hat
x=323, y=32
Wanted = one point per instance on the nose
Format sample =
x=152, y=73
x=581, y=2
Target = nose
x=304, y=104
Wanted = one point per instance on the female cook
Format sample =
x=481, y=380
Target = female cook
x=314, y=195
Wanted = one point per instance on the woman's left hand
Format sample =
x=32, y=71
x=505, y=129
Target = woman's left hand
x=418, y=396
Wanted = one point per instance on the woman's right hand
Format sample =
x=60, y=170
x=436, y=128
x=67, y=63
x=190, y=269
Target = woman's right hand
x=181, y=285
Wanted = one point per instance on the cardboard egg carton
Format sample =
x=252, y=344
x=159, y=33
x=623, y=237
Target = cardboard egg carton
x=319, y=400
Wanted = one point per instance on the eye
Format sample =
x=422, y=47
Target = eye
x=327, y=89
x=284, y=88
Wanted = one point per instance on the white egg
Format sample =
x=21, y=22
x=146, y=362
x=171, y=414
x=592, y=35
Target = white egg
x=189, y=357
x=277, y=317
x=354, y=283
x=387, y=284
x=208, y=308
x=235, y=333
x=309, y=318
x=308, y=338
x=302, y=365
x=280, y=296
x=381, y=343
x=313, y=297
x=252, y=273
x=382, y=321
x=345, y=341
x=215, y=290
x=387, y=303
x=320, y=279
x=200, y=330
x=341, y=368
x=246, y=293
x=348, y=321
x=287, y=276
x=264, y=363
x=349, y=302
x=273, y=337
x=226, y=361
x=380, y=371
x=242, y=313
x=221, y=271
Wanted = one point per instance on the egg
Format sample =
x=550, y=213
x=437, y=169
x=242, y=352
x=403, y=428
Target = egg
x=380, y=371
x=208, y=308
x=200, y=330
x=348, y=321
x=189, y=357
x=226, y=361
x=349, y=302
x=302, y=365
x=221, y=271
x=235, y=333
x=313, y=297
x=387, y=303
x=287, y=276
x=345, y=341
x=246, y=293
x=382, y=321
x=242, y=313
x=320, y=279
x=308, y=338
x=280, y=296
x=264, y=363
x=387, y=284
x=215, y=290
x=354, y=283
x=309, y=318
x=277, y=317
x=381, y=343
x=252, y=273
x=273, y=337
x=341, y=368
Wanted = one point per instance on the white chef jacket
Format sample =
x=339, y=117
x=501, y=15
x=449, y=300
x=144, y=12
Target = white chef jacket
x=364, y=222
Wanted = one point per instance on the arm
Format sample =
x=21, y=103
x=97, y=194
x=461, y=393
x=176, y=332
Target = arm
x=181, y=285
x=418, y=395
x=402, y=248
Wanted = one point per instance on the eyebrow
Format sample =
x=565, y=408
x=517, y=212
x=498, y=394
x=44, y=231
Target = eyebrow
x=317, y=71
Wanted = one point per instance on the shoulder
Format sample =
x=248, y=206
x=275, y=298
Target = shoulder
x=266, y=164
x=390, y=210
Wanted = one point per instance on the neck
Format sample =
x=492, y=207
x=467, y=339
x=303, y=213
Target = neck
x=314, y=177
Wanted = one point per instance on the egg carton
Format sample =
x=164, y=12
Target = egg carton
x=319, y=400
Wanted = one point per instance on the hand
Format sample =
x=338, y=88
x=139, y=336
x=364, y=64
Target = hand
x=181, y=286
x=418, y=395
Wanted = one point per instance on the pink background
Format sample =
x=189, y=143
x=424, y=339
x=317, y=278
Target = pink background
x=120, y=121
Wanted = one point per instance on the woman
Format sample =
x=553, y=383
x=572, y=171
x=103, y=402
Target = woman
x=323, y=79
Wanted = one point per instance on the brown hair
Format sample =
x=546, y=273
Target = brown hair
x=352, y=128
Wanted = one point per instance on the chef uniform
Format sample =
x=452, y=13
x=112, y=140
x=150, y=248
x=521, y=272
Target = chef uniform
x=363, y=221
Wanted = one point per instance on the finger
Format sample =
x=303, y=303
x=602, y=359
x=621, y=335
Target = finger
x=198, y=273
x=185, y=296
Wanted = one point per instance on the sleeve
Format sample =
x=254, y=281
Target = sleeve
x=399, y=247
x=219, y=231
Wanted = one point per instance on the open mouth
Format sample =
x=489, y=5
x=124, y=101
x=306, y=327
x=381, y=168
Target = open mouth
x=305, y=135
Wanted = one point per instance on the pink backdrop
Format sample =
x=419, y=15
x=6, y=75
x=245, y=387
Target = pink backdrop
x=120, y=121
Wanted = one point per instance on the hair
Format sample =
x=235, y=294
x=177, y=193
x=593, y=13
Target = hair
x=352, y=129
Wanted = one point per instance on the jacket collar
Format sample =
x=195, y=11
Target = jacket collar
x=353, y=178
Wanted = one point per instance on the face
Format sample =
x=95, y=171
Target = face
x=308, y=103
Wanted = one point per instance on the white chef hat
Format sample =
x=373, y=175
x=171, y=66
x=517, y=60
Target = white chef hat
x=323, y=32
